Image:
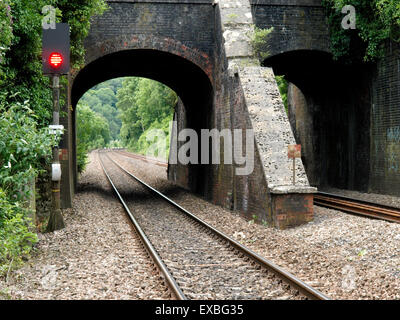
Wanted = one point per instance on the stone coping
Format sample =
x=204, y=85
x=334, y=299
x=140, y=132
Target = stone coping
x=292, y=189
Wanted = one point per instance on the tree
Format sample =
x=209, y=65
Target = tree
x=144, y=104
x=93, y=132
x=102, y=99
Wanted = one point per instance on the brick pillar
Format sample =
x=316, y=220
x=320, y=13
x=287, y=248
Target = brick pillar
x=288, y=205
x=292, y=209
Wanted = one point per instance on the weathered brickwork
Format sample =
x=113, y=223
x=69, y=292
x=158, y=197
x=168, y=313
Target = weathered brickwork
x=140, y=21
x=330, y=114
x=298, y=24
x=202, y=50
x=385, y=132
x=254, y=103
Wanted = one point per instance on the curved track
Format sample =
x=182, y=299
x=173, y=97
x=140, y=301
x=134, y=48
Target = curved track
x=197, y=260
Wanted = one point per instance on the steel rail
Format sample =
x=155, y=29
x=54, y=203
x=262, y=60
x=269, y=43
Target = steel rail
x=146, y=242
x=289, y=278
x=142, y=158
x=356, y=206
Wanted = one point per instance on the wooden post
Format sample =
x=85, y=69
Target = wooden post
x=294, y=151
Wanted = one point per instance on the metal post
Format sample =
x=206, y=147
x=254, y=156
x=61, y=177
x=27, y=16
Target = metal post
x=56, y=221
x=294, y=171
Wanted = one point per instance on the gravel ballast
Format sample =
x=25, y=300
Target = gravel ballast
x=204, y=265
x=342, y=255
x=97, y=255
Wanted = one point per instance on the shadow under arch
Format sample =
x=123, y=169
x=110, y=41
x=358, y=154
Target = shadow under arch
x=329, y=105
x=304, y=67
x=188, y=80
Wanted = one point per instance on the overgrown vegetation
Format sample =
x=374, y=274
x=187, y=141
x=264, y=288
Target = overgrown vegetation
x=283, y=89
x=376, y=22
x=23, y=148
x=102, y=99
x=26, y=109
x=259, y=42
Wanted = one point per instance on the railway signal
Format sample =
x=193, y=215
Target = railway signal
x=56, y=50
x=56, y=62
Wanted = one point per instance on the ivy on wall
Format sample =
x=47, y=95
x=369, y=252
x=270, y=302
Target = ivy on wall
x=376, y=22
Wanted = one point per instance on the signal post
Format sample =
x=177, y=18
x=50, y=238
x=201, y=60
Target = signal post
x=56, y=62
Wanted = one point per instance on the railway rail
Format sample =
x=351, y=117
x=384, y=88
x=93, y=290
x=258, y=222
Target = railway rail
x=143, y=158
x=356, y=206
x=197, y=260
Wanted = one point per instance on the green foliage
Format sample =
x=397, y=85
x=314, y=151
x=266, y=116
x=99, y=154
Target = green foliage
x=21, y=66
x=283, y=89
x=376, y=21
x=77, y=13
x=102, y=99
x=16, y=239
x=22, y=148
x=144, y=105
x=145, y=141
x=259, y=42
x=93, y=132
x=6, y=34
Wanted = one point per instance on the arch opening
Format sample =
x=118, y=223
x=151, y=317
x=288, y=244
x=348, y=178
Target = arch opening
x=189, y=81
x=329, y=111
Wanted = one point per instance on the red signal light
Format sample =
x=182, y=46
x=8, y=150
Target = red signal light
x=56, y=59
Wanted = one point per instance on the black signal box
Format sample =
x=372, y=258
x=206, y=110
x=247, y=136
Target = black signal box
x=56, y=50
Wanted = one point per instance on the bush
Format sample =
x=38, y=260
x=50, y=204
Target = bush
x=16, y=239
x=260, y=43
x=23, y=150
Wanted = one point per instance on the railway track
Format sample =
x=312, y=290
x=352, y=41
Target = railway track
x=142, y=158
x=355, y=206
x=197, y=260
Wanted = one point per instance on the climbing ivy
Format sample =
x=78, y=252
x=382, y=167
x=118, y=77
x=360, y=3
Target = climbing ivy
x=376, y=22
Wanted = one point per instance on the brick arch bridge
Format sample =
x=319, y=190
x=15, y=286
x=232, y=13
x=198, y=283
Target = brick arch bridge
x=202, y=50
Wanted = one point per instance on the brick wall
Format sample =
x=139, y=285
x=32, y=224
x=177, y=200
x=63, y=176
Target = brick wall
x=193, y=47
x=298, y=24
x=385, y=131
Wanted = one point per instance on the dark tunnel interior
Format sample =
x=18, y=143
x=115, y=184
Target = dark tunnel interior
x=329, y=110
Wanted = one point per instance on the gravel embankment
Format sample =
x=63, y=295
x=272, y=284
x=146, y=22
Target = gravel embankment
x=344, y=256
x=97, y=256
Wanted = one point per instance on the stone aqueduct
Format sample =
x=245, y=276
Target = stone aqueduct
x=202, y=50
